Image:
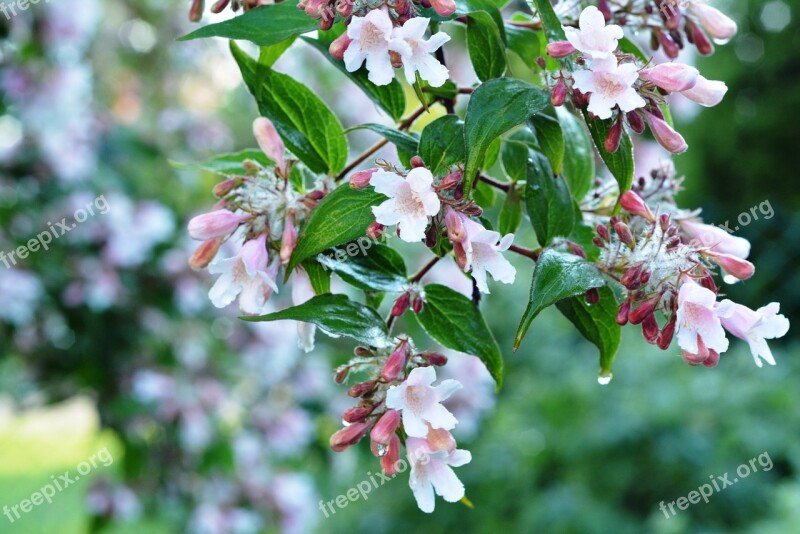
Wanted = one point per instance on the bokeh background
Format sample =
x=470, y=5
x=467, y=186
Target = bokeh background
x=108, y=342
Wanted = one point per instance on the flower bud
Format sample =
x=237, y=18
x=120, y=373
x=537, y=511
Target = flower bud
x=706, y=92
x=667, y=333
x=603, y=7
x=217, y=223
x=712, y=360
x=576, y=249
x=391, y=456
x=708, y=282
x=394, y=364
x=289, y=239
x=360, y=179
x=635, y=122
x=665, y=135
x=733, y=265
x=624, y=233
x=602, y=231
x=435, y=358
x=205, y=253
x=614, y=137
x=460, y=254
x=356, y=414
x=445, y=8
x=344, y=8
x=196, y=11
x=401, y=305
x=559, y=93
x=669, y=45
x=416, y=162
x=375, y=230
x=339, y=45
x=270, y=142
x=386, y=427
x=361, y=388
x=717, y=24
x=341, y=374
x=417, y=304
x=650, y=329
x=671, y=77
x=632, y=277
x=455, y=226
x=219, y=6
x=633, y=203
x=624, y=311
x=451, y=181
x=560, y=49
x=646, y=308
x=664, y=221
x=592, y=296
x=704, y=45
x=349, y=435
x=224, y=187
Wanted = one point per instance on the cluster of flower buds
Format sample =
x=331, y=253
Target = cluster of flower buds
x=259, y=212
x=665, y=264
x=400, y=393
x=198, y=6
x=611, y=84
x=424, y=207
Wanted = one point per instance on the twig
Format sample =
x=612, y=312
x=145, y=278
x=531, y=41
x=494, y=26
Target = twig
x=532, y=254
x=422, y=272
x=494, y=183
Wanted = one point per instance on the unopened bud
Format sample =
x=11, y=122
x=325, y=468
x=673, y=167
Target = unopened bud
x=733, y=265
x=356, y=414
x=417, y=304
x=361, y=388
x=650, y=329
x=701, y=41
x=460, y=255
x=445, y=8
x=289, y=239
x=455, y=226
x=205, y=253
x=390, y=457
x=633, y=203
x=224, y=187
x=635, y=121
x=417, y=162
x=375, y=230
x=665, y=135
x=196, y=11
x=632, y=277
x=664, y=221
x=576, y=249
x=344, y=8
x=614, y=137
x=646, y=308
x=451, y=181
x=559, y=93
x=386, y=427
x=672, y=77
x=624, y=233
x=401, y=305
x=592, y=296
x=719, y=25
x=435, y=358
x=339, y=45
x=624, y=311
x=218, y=223
x=219, y=6
x=667, y=333
x=360, y=179
x=604, y=8
x=341, y=374
x=668, y=44
x=349, y=435
x=560, y=49
x=602, y=231
x=394, y=364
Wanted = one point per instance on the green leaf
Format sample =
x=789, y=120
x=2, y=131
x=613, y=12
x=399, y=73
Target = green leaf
x=336, y=315
x=486, y=49
x=319, y=276
x=495, y=107
x=484, y=194
x=441, y=144
x=547, y=197
x=368, y=266
x=579, y=171
x=511, y=212
x=407, y=144
x=227, y=164
x=307, y=126
x=550, y=21
x=270, y=54
x=620, y=163
x=515, y=154
x=389, y=97
x=452, y=320
x=597, y=323
x=550, y=137
x=467, y=7
x=340, y=217
x=525, y=43
x=557, y=276
x=264, y=26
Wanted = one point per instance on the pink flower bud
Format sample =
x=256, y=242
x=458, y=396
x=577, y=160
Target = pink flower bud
x=635, y=121
x=624, y=233
x=341, y=375
x=270, y=142
x=671, y=48
x=217, y=223
x=360, y=179
x=614, y=137
x=632, y=279
x=394, y=364
x=623, y=313
x=196, y=11
x=633, y=203
x=455, y=226
x=738, y=267
x=706, y=92
x=560, y=49
x=344, y=8
x=360, y=389
x=602, y=231
x=356, y=413
x=460, y=254
x=386, y=426
x=665, y=135
x=650, y=329
x=435, y=358
x=444, y=8
x=667, y=333
x=671, y=76
x=339, y=45
x=717, y=239
x=224, y=187
x=704, y=45
x=417, y=162
x=205, y=253
x=375, y=230
x=289, y=239
x=349, y=435
x=559, y=93
x=646, y=308
x=417, y=304
x=391, y=456
x=717, y=24
x=401, y=305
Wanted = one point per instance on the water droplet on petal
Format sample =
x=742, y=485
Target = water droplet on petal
x=730, y=279
x=605, y=378
x=382, y=449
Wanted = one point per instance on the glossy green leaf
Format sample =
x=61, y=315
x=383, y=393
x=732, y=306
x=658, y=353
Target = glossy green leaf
x=268, y=55
x=557, y=276
x=335, y=315
x=340, y=217
x=515, y=154
x=264, y=26
x=486, y=48
x=451, y=319
x=550, y=21
x=494, y=108
x=525, y=43
x=441, y=144
x=549, y=137
x=620, y=163
x=548, y=200
x=511, y=212
x=307, y=126
x=367, y=265
x=318, y=275
x=579, y=169
x=596, y=322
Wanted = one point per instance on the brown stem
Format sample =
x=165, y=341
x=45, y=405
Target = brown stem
x=422, y=272
x=494, y=183
x=532, y=254
x=466, y=90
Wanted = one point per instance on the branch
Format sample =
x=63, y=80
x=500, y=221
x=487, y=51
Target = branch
x=422, y=272
x=532, y=254
x=494, y=183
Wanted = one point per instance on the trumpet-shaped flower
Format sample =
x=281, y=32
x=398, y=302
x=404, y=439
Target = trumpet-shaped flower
x=699, y=326
x=755, y=327
x=483, y=250
x=411, y=201
x=432, y=460
x=246, y=274
x=420, y=403
x=416, y=52
x=370, y=36
x=594, y=39
x=610, y=85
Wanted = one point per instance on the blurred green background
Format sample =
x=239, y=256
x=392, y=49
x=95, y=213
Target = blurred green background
x=107, y=340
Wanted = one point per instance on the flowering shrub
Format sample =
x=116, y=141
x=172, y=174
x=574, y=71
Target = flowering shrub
x=612, y=250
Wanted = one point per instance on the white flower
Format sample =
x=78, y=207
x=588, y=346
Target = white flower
x=755, y=327
x=411, y=201
x=246, y=273
x=370, y=36
x=594, y=39
x=483, y=254
x=610, y=84
x=421, y=403
x=699, y=327
x=431, y=463
x=416, y=52
x=302, y=291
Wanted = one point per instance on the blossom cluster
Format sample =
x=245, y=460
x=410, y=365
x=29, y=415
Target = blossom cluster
x=611, y=84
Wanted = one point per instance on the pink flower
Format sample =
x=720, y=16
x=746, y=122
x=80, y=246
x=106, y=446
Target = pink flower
x=483, y=249
x=432, y=460
x=420, y=403
x=706, y=92
x=270, y=142
x=217, y=223
x=671, y=76
x=699, y=327
x=246, y=273
x=733, y=265
x=416, y=52
x=717, y=24
x=370, y=36
x=302, y=292
x=665, y=134
x=594, y=38
x=411, y=201
x=610, y=85
x=755, y=327
x=716, y=239
x=560, y=49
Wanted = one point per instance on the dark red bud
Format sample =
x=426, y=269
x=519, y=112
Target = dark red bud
x=361, y=388
x=640, y=314
x=614, y=137
x=670, y=47
x=416, y=161
x=349, y=435
x=401, y=305
x=592, y=296
x=624, y=233
x=356, y=414
x=665, y=337
x=636, y=122
x=624, y=311
x=701, y=41
x=341, y=375
x=650, y=329
x=417, y=304
x=435, y=358
x=559, y=93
